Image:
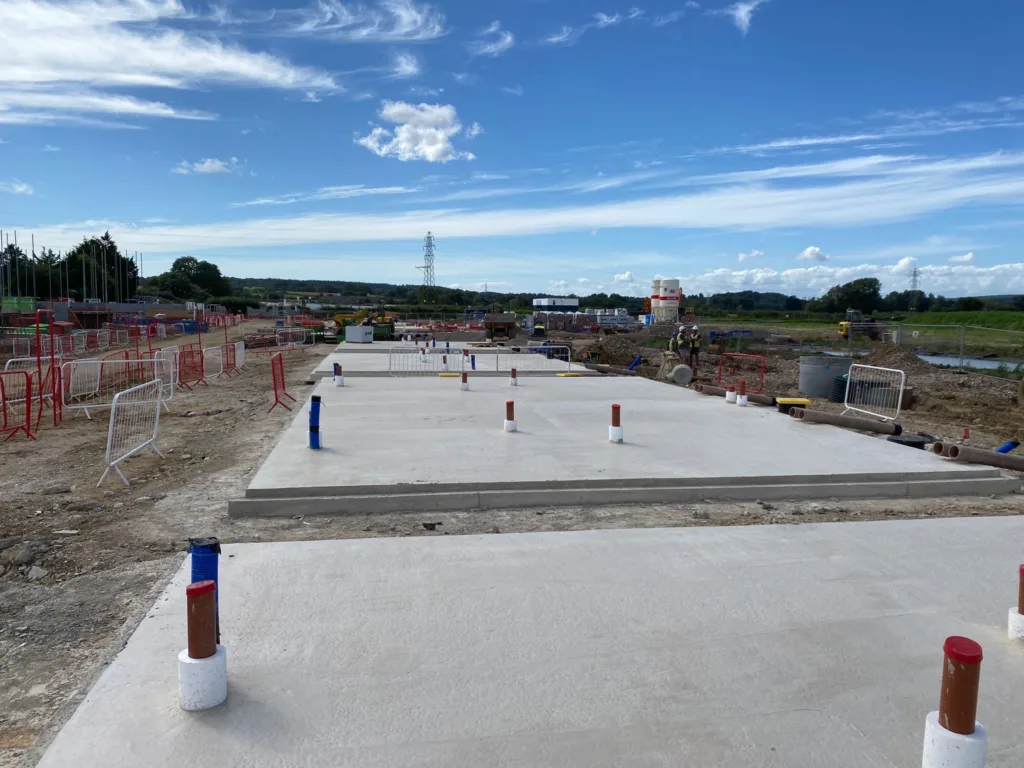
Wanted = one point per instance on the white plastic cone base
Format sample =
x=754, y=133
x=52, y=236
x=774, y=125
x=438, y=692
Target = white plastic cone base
x=616, y=434
x=1016, y=628
x=513, y=382
x=202, y=683
x=741, y=399
x=730, y=397
x=511, y=426
x=465, y=387
x=945, y=749
x=339, y=381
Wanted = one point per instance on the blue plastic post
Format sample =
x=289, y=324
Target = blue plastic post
x=205, y=554
x=1008, y=446
x=314, y=422
x=472, y=362
x=447, y=347
x=433, y=342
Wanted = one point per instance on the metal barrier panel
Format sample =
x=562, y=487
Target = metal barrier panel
x=168, y=372
x=875, y=391
x=213, y=362
x=190, y=366
x=403, y=361
x=16, y=404
x=537, y=359
x=239, y=354
x=292, y=337
x=161, y=330
x=120, y=338
x=93, y=384
x=230, y=363
x=179, y=328
x=734, y=367
x=134, y=425
x=277, y=376
x=79, y=342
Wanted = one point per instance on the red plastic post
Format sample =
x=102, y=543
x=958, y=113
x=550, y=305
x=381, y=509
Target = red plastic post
x=616, y=415
x=510, y=410
x=961, y=674
x=201, y=607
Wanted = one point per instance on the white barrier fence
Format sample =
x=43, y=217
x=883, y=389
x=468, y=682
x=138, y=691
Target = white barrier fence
x=134, y=426
x=239, y=354
x=408, y=361
x=93, y=384
x=875, y=391
x=161, y=331
x=546, y=359
x=290, y=338
x=213, y=362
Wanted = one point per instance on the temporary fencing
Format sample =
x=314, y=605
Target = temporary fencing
x=239, y=354
x=93, y=384
x=407, y=361
x=293, y=337
x=277, y=375
x=16, y=404
x=734, y=367
x=134, y=425
x=119, y=337
x=190, y=366
x=213, y=362
x=42, y=371
x=160, y=330
x=875, y=391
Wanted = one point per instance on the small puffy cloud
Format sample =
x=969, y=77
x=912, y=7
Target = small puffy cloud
x=474, y=130
x=583, y=280
x=905, y=266
x=207, y=165
x=669, y=18
x=625, y=277
x=813, y=253
x=515, y=90
x=494, y=41
x=967, y=258
x=421, y=132
x=558, y=286
x=15, y=187
x=754, y=254
x=51, y=148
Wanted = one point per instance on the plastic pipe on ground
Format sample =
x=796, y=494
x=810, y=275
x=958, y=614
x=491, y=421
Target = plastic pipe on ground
x=615, y=431
x=850, y=422
x=339, y=376
x=202, y=666
x=989, y=458
x=510, y=416
x=707, y=389
x=1008, y=446
x=940, y=449
x=1016, y=626
x=952, y=736
x=730, y=395
x=465, y=381
x=513, y=381
x=741, y=394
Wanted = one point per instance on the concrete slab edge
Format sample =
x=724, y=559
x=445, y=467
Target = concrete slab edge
x=462, y=501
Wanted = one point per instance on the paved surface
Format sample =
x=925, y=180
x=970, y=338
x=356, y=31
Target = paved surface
x=424, y=436
x=814, y=646
x=378, y=360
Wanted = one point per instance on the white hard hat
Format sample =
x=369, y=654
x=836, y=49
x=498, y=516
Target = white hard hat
x=696, y=328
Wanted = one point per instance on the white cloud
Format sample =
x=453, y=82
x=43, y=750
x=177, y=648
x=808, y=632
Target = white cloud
x=16, y=187
x=51, y=148
x=967, y=258
x=327, y=193
x=668, y=18
x=812, y=253
x=625, y=277
x=602, y=20
x=489, y=176
x=583, y=280
x=514, y=90
x=565, y=36
x=558, y=286
x=207, y=165
x=388, y=21
x=741, y=13
x=474, y=130
x=692, y=4
x=463, y=78
x=311, y=97
x=494, y=41
x=422, y=132
x=59, y=60
x=405, y=66
x=754, y=254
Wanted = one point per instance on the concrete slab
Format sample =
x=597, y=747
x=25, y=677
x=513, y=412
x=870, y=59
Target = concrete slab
x=371, y=360
x=423, y=444
x=813, y=646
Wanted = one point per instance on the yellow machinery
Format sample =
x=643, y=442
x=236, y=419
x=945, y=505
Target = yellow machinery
x=854, y=317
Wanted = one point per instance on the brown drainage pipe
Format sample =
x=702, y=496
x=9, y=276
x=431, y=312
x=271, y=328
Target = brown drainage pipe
x=850, y=422
x=941, y=449
x=990, y=458
x=707, y=389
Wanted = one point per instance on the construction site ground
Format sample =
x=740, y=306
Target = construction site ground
x=80, y=566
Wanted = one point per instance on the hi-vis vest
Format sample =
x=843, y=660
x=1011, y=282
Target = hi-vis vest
x=695, y=341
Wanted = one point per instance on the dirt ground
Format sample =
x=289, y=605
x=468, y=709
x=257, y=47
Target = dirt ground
x=80, y=566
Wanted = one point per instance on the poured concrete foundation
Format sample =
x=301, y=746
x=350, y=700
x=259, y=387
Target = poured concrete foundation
x=814, y=646
x=423, y=444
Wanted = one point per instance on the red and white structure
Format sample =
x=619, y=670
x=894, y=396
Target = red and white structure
x=512, y=380
x=203, y=665
x=1016, y=625
x=952, y=736
x=510, y=416
x=615, y=432
x=665, y=300
x=465, y=382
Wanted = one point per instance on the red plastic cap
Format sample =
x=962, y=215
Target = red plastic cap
x=616, y=406
x=510, y=402
x=1022, y=570
x=200, y=588
x=962, y=649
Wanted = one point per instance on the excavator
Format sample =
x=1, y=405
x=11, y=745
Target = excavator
x=854, y=317
x=383, y=326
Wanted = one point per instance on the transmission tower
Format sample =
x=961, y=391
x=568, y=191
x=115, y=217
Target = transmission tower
x=428, y=260
x=915, y=282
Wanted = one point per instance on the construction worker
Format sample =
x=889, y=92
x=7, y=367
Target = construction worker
x=694, y=340
x=673, y=344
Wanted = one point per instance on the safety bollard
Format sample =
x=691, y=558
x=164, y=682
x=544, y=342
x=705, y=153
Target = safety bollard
x=615, y=431
x=202, y=665
x=730, y=395
x=512, y=380
x=1016, y=627
x=741, y=395
x=465, y=382
x=205, y=556
x=339, y=376
x=447, y=348
x=444, y=363
x=433, y=342
x=952, y=736
x=510, y=416
x=314, y=422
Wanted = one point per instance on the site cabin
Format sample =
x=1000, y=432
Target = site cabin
x=500, y=325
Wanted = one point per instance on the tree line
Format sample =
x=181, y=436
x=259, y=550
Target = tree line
x=93, y=269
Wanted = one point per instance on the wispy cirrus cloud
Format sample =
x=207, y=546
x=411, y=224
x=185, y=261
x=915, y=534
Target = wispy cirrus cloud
x=343, y=192
x=569, y=35
x=741, y=13
x=387, y=21
x=493, y=41
x=515, y=90
x=967, y=258
x=208, y=165
x=15, y=187
x=405, y=66
x=67, y=61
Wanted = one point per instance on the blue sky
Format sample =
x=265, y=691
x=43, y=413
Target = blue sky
x=551, y=146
